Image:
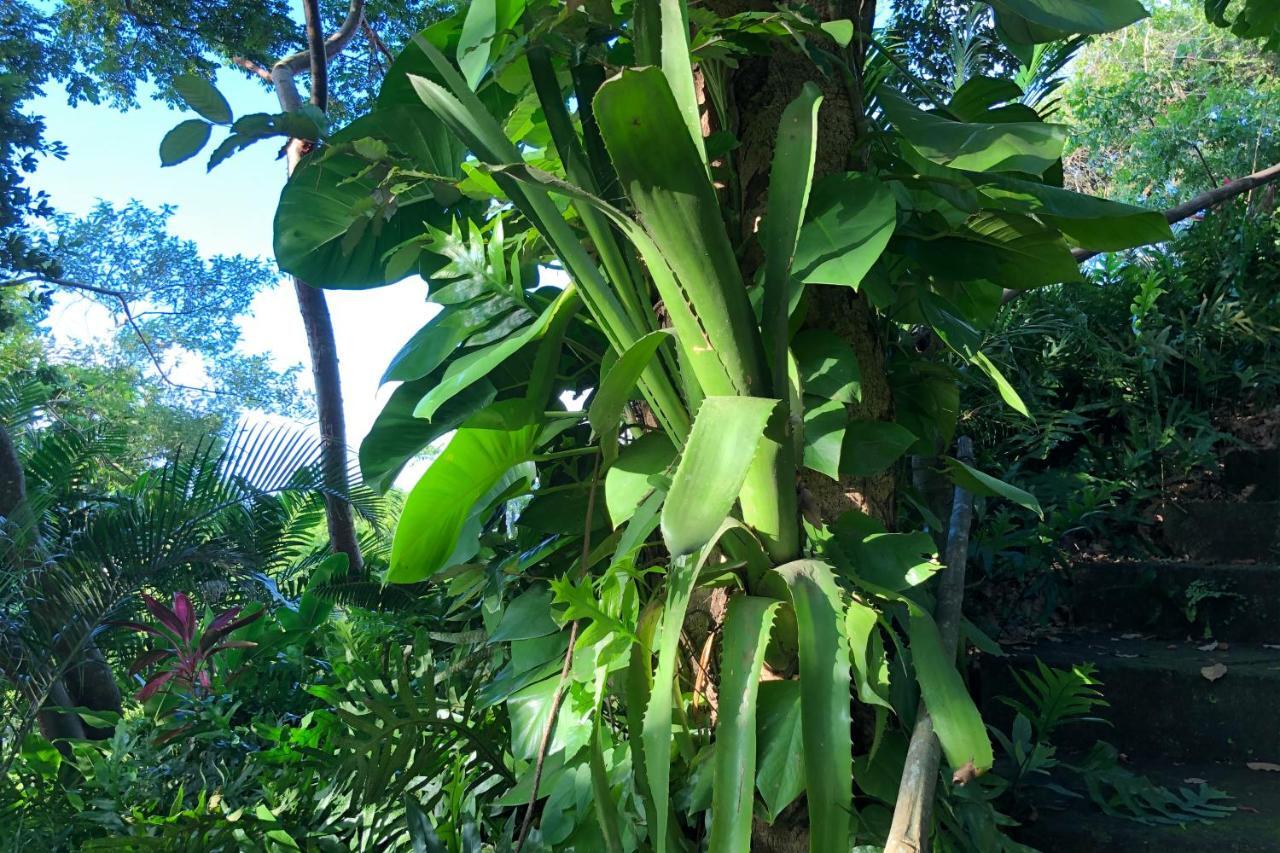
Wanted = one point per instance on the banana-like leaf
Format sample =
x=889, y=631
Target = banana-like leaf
x=790, y=180
x=1030, y=147
x=1052, y=20
x=746, y=633
x=437, y=510
x=712, y=469
x=955, y=717
x=979, y=483
x=605, y=413
x=397, y=436
x=824, y=703
x=474, y=366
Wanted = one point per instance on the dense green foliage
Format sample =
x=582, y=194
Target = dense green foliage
x=680, y=613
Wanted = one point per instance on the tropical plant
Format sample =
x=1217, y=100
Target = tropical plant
x=610, y=203
x=187, y=648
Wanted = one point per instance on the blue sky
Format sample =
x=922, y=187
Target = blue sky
x=113, y=156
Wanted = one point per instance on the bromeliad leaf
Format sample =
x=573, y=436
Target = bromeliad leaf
x=746, y=633
x=712, y=469
x=824, y=702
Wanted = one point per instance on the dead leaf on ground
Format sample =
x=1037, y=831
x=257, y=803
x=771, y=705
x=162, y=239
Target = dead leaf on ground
x=1123, y=655
x=1131, y=636
x=1196, y=780
x=1270, y=646
x=1266, y=766
x=1208, y=647
x=1214, y=672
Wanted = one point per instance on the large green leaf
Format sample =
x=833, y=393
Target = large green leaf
x=201, y=95
x=746, y=633
x=326, y=200
x=1089, y=222
x=527, y=617
x=1008, y=249
x=851, y=218
x=439, y=506
x=824, y=430
x=869, y=447
x=866, y=649
x=1030, y=147
x=827, y=365
x=712, y=468
x=605, y=414
x=629, y=479
x=397, y=436
x=1067, y=17
x=473, y=366
x=955, y=717
x=780, y=774
x=975, y=481
x=824, y=703
x=184, y=141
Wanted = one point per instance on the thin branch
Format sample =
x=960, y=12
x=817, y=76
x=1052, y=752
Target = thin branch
x=1190, y=208
x=252, y=67
x=129, y=317
x=316, y=55
x=372, y=35
x=557, y=698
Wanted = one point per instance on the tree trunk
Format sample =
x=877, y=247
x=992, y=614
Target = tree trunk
x=311, y=300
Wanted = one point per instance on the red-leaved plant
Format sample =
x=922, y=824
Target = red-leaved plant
x=188, y=650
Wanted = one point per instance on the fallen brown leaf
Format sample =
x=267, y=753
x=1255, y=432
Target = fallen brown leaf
x=1208, y=647
x=1196, y=780
x=1249, y=809
x=1214, y=672
x=1266, y=766
x=965, y=774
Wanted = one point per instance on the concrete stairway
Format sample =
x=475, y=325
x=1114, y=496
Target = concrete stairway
x=1189, y=656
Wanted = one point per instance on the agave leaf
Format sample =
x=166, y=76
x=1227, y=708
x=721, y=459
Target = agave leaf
x=712, y=469
x=824, y=703
x=746, y=633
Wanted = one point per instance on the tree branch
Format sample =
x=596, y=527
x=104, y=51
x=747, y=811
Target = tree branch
x=1187, y=209
x=334, y=45
x=129, y=317
x=252, y=67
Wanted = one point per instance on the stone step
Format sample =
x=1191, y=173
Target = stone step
x=1162, y=705
x=1252, y=474
x=1222, y=531
x=1233, y=602
x=1079, y=826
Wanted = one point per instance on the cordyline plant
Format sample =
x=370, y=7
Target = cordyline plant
x=769, y=269
x=185, y=656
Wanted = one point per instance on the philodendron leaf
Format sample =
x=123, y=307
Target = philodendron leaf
x=1030, y=147
x=955, y=717
x=630, y=479
x=440, y=505
x=712, y=468
x=746, y=633
x=780, y=771
x=824, y=430
x=975, y=481
x=850, y=220
x=199, y=94
x=616, y=388
x=869, y=447
x=824, y=702
x=184, y=141
x=527, y=617
x=866, y=649
x=827, y=365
